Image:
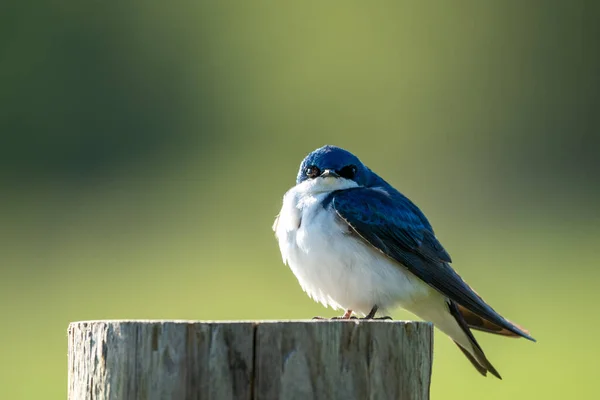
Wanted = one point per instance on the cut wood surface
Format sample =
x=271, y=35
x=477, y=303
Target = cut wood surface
x=250, y=360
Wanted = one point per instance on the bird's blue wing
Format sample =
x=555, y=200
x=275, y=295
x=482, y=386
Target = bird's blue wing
x=391, y=223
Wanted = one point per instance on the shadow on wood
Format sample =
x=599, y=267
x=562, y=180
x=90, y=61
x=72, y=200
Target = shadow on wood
x=250, y=360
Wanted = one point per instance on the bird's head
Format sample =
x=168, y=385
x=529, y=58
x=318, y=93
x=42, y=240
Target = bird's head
x=333, y=168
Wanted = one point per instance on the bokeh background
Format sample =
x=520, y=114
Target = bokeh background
x=145, y=148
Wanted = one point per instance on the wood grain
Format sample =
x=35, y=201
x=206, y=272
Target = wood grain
x=250, y=360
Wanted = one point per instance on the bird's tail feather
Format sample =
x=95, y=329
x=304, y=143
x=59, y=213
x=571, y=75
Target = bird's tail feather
x=475, y=353
x=482, y=370
x=445, y=315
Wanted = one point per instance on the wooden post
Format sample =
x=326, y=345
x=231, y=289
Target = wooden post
x=250, y=360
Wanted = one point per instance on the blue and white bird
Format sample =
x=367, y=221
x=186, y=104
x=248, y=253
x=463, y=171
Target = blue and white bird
x=357, y=244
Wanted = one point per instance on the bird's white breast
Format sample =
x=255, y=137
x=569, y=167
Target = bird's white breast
x=333, y=265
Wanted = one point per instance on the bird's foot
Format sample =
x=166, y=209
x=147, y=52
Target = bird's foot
x=371, y=315
x=387, y=317
x=348, y=315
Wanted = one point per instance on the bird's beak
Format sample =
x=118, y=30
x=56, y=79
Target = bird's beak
x=329, y=173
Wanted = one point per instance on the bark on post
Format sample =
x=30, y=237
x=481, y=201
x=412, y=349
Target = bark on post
x=250, y=360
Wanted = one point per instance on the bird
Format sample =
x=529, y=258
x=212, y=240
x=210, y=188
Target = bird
x=357, y=244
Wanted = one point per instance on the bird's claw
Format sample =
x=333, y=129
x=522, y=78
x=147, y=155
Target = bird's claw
x=348, y=315
x=367, y=318
x=387, y=317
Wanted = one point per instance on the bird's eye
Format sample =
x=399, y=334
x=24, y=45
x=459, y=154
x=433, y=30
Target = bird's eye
x=348, y=171
x=312, y=171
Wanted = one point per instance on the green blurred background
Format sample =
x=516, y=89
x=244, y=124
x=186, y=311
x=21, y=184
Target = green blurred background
x=145, y=148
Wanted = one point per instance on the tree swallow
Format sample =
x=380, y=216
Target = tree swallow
x=357, y=244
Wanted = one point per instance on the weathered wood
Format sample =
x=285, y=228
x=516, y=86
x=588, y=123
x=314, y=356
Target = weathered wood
x=343, y=360
x=250, y=360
